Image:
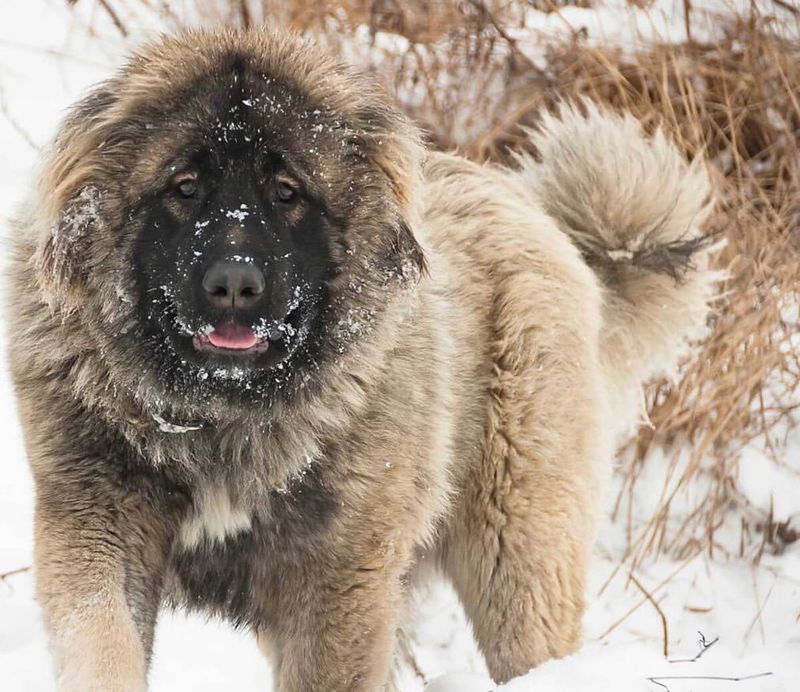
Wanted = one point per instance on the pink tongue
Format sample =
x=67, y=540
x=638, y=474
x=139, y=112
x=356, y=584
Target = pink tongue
x=233, y=336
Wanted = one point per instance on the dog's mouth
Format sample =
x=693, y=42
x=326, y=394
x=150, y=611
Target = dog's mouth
x=232, y=339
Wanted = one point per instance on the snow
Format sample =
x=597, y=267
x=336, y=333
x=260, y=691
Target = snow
x=626, y=25
x=167, y=427
x=766, y=484
x=46, y=61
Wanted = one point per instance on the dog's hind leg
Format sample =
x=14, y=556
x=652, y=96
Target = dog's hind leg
x=519, y=570
x=517, y=545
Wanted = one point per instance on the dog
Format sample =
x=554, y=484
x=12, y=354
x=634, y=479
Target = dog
x=276, y=361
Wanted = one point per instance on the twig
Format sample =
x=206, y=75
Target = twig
x=664, y=631
x=52, y=52
x=786, y=6
x=112, y=13
x=687, y=10
x=725, y=678
x=244, y=12
x=636, y=607
x=19, y=570
x=408, y=653
x=21, y=131
x=704, y=646
x=761, y=606
x=510, y=40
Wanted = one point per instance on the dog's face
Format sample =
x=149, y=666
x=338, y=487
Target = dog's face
x=251, y=224
x=238, y=242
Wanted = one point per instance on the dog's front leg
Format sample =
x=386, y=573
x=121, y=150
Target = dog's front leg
x=339, y=633
x=100, y=554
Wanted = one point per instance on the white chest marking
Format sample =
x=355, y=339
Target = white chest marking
x=213, y=518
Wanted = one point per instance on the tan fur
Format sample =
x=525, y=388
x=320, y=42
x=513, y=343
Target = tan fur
x=466, y=419
x=616, y=194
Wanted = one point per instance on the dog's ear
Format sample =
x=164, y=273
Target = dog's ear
x=69, y=203
x=399, y=159
x=61, y=251
x=411, y=257
x=395, y=149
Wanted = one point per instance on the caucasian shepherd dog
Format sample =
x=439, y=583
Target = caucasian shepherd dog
x=276, y=361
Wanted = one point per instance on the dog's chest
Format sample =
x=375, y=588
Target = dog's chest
x=214, y=516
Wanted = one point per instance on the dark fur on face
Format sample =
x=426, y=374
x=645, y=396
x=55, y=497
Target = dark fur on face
x=242, y=192
x=241, y=165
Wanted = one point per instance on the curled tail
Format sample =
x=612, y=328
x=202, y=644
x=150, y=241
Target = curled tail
x=634, y=207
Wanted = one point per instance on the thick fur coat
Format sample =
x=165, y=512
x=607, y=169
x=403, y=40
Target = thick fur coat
x=479, y=339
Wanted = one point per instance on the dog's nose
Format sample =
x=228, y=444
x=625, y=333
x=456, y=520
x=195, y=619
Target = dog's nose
x=229, y=284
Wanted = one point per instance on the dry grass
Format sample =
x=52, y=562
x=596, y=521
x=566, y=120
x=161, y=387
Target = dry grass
x=464, y=69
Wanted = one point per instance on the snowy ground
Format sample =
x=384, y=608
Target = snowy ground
x=46, y=60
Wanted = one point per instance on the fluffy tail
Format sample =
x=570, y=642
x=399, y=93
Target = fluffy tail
x=634, y=207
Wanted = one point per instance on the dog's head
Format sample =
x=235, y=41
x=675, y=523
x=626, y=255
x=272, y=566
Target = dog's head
x=230, y=215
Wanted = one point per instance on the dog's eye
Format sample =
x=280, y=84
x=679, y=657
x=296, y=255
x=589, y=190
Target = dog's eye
x=285, y=191
x=186, y=186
